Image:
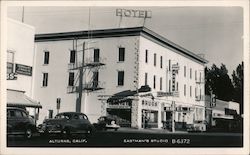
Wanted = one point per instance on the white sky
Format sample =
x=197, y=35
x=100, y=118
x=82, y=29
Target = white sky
x=214, y=31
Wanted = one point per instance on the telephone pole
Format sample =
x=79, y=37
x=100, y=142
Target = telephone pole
x=79, y=89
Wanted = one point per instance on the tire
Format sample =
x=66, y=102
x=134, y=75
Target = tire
x=28, y=133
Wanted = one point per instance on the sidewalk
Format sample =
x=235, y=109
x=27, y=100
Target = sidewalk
x=148, y=130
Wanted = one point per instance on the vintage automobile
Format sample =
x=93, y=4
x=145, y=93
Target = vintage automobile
x=20, y=123
x=198, y=126
x=67, y=124
x=105, y=122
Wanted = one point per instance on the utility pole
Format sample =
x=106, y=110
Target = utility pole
x=80, y=86
x=173, y=116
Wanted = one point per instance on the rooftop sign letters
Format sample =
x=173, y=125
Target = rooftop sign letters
x=133, y=13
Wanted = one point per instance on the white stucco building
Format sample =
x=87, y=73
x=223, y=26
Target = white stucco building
x=20, y=59
x=117, y=63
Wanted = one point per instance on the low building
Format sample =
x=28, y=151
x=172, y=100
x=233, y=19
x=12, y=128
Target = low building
x=222, y=115
x=116, y=65
x=20, y=59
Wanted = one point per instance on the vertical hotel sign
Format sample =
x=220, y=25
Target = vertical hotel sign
x=133, y=13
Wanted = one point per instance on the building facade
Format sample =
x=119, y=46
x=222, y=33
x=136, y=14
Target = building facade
x=116, y=64
x=20, y=59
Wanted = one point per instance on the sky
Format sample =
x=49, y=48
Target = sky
x=215, y=32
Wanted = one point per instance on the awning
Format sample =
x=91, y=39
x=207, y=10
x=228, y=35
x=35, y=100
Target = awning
x=18, y=98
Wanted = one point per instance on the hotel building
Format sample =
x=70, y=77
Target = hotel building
x=133, y=74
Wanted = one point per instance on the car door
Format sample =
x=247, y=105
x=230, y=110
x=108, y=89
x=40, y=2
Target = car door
x=20, y=121
x=11, y=121
x=83, y=122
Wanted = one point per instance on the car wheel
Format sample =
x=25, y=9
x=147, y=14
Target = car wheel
x=28, y=133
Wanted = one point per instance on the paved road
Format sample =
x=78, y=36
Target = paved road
x=133, y=138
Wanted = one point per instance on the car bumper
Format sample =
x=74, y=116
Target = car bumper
x=113, y=126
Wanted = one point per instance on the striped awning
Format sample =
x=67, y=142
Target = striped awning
x=18, y=98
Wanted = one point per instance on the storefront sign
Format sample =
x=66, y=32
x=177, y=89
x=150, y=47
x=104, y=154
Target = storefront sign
x=163, y=94
x=133, y=13
x=24, y=70
x=120, y=105
x=11, y=76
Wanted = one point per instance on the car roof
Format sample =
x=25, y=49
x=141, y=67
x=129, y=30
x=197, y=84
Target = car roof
x=16, y=108
x=70, y=113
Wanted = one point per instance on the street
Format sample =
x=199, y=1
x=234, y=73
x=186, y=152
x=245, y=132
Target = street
x=133, y=138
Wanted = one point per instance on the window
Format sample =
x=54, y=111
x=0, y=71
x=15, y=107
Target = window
x=200, y=76
x=121, y=54
x=96, y=55
x=154, y=59
x=195, y=92
x=154, y=81
x=46, y=57
x=72, y=56
x=45, y=79
x=184, y=71
x=161, y=83
x=10, y=68
x=190, y=91
x=95, y=79
x=195, y=74
x=190, y=73
x=161, y=62
x=169, y=86
x=146, y=78
x=184, y=90
x=120, y=78
x=71, y=79
x=146, y=56
x=169, y=64
x=177, y=85
x=18, y=113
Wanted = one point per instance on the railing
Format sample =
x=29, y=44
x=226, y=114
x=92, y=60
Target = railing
x=91, y=86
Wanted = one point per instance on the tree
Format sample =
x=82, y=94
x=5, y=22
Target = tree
x=219, y=82
x=237, y=78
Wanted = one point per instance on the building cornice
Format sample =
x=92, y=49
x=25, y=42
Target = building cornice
x=120, y=32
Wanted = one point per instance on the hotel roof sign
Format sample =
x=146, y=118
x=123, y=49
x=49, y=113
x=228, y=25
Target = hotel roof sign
x=133, y=13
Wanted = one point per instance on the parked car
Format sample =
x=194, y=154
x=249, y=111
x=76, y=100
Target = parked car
x=67, y=123
x=198, y=126
x=20, y=123
x=105, y=122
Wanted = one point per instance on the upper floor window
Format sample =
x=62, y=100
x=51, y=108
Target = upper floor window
x=190, y=91
x=190, y=73
x=71, y=79
x=146, y=56
x=184, y=90
x=45, y=80
x=154, y=81
x=96, y=55
x=95, y=79
x=121, y=54
x=120, y=78
x=10, y=67
x=154, y=59
x=161, y=83
x=177, y=86
x=46, y=57
x=72, y=56
x=169, y=64
x=195, y=74
x=161, y=61
x=184, y=71
x=146, y=78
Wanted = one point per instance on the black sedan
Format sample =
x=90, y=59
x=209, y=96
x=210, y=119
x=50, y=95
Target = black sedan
x=19, y=122
x=67, y=123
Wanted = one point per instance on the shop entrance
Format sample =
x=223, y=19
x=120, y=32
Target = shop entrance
x=122, y=116
x=167, y=122
x=149, y=119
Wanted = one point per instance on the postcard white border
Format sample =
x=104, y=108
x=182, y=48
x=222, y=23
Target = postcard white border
x=25, y=151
